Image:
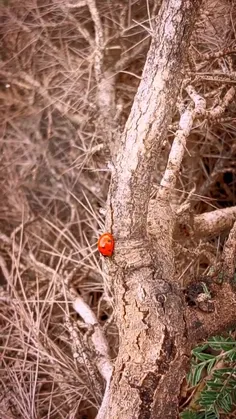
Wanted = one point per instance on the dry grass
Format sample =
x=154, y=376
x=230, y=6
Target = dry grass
x=54, y=182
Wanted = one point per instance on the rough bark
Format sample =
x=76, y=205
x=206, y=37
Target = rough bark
x=154, y=348
x=157, y=329
x=214, y=222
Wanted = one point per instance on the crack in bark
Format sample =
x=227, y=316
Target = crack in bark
x=168, y=352
x=153, y=359
x=147, y=393
x=150, y=383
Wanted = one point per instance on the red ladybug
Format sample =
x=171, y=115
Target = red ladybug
x=106, y=244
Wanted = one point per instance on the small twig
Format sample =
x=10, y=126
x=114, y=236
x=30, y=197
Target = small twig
x=30, y=83
x=81, y=29
x=99, y=40
x=176, y=155
x=82, y=354
x=199, y=101
x=103, y=361
x=185, y=125
x=220, y=109
x=100, y=343
x=213, y=55
x=80, y=3
x=126, y=59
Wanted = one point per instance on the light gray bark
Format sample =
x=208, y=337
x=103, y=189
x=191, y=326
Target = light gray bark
x=152, y=359
x=157, y=329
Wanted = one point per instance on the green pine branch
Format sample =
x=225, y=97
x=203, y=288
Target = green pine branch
x=219, y=392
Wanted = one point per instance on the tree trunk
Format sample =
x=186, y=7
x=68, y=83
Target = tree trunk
x=154, y=348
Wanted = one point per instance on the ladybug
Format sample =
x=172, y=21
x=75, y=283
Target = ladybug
x=106, y=244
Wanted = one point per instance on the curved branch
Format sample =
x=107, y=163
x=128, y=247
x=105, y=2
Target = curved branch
x=214, y=222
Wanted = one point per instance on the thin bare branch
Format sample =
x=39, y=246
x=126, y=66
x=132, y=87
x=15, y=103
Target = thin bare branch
x=81, y=29
x=214, y=222
x=176, y=155
x=99, y=39
x=97, y=336
x=28, y=82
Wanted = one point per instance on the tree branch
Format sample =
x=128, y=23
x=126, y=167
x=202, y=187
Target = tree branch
x=214, y=222
x=99, y=39
x=176, y=155
x=187, y=119
x=149, y=118
x=99, y=341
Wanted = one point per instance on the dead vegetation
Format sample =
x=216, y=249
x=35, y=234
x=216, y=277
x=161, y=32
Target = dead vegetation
x=59, y=123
